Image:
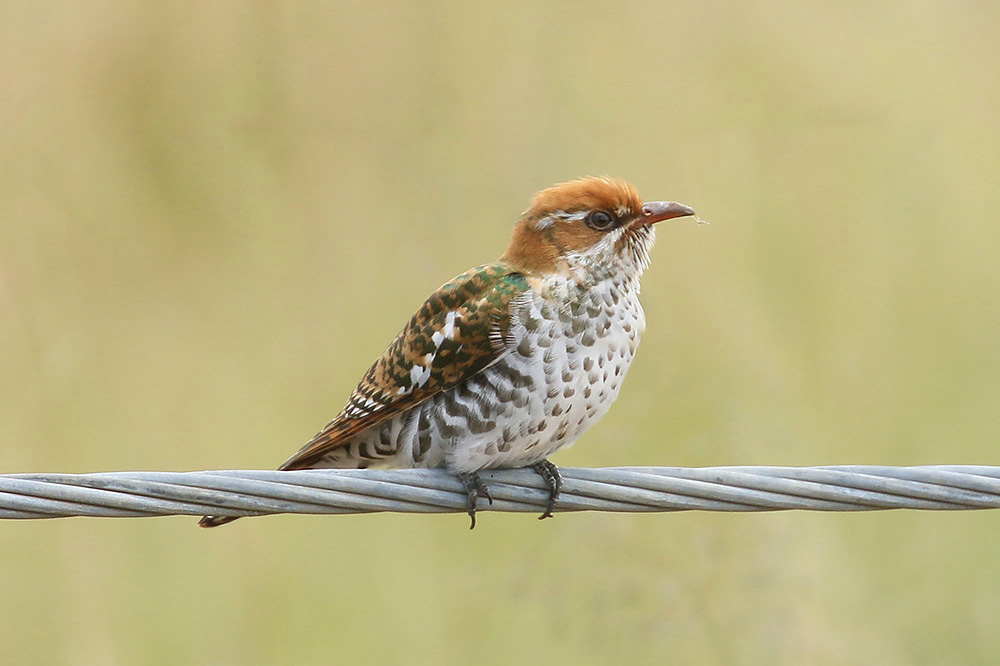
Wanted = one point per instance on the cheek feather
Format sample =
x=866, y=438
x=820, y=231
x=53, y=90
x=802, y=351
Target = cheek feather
x=576, y=237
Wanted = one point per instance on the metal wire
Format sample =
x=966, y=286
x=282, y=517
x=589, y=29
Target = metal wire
x=637, y=489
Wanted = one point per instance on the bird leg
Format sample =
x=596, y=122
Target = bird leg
x=553, y=479
x=475, y=487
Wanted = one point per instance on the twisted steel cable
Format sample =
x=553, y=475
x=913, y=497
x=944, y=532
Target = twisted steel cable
x=629, y=489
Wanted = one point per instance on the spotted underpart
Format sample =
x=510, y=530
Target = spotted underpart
x=495, y=370
x=558, y=371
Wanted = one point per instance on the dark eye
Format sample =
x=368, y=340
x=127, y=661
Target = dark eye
x=600, y=220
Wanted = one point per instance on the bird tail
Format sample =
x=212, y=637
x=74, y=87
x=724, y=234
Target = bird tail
x=215, y=521
x=309, y=457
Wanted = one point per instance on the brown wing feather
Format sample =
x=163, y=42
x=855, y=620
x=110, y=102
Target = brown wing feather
x=459, y=331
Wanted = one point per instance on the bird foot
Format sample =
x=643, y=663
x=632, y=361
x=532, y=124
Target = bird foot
x=475, y=487
x=553, y=479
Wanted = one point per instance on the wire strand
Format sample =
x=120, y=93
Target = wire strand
x=624, y=489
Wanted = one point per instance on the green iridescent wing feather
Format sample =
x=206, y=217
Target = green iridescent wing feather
x=460, y=330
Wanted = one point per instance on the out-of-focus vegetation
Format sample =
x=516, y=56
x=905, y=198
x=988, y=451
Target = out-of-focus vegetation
x=213, y=216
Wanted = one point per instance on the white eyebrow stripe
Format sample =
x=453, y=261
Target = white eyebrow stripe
x=560, y=216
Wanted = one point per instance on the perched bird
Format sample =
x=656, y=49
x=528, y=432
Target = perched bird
x=511, y=361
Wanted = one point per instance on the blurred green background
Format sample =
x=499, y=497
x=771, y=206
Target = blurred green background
x=214, y=216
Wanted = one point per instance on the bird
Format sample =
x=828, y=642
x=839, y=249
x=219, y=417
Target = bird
x=513, y=360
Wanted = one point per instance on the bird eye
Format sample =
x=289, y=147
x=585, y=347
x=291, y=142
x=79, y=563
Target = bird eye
x=600, y=220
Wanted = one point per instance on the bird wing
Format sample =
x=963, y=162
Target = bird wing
x=459, y=331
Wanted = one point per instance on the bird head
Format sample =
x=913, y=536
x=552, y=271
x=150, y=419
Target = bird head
x=588, y=229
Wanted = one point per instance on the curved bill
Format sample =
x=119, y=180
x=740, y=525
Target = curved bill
x=657, y=211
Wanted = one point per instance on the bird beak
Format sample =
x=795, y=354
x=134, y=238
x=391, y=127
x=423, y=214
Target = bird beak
x=657, y=211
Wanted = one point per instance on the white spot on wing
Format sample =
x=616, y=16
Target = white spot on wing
x=419, y=375
x=447, y=332
x=449, y=324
